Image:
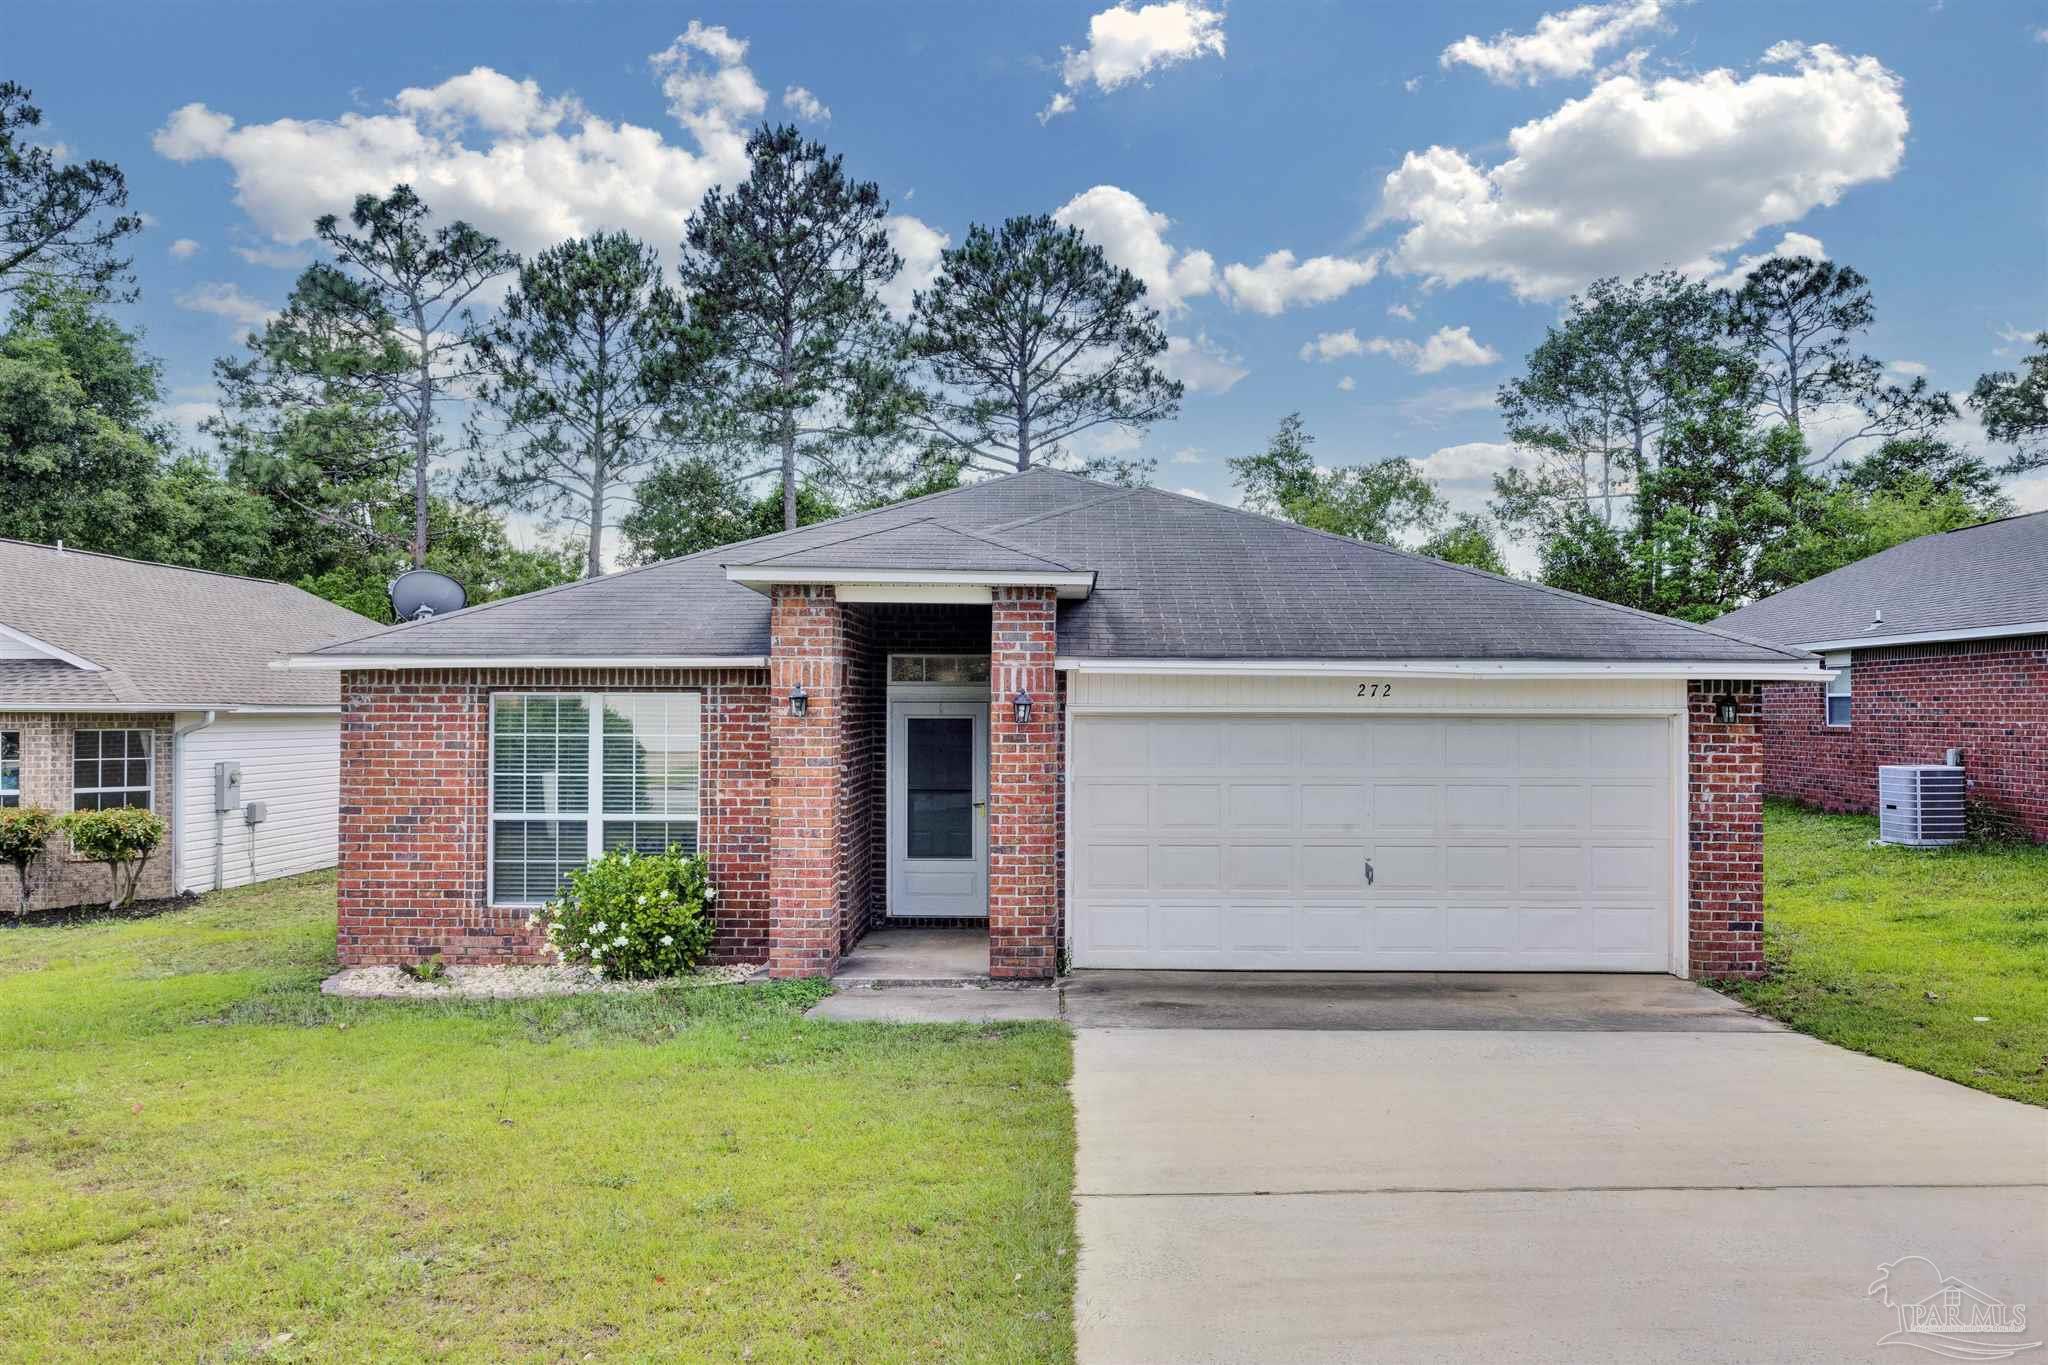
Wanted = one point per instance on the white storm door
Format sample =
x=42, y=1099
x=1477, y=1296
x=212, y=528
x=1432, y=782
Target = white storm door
x=938, y=809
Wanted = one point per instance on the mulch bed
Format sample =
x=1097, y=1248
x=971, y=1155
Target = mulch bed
x=66, y=915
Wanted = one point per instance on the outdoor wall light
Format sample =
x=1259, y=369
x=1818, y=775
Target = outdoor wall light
x=1724, y=709
x=799, y=700
x=1022, y=703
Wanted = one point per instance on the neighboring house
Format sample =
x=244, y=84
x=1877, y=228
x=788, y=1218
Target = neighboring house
x=1940, y=643
x=1135, y=728
x=124, y=683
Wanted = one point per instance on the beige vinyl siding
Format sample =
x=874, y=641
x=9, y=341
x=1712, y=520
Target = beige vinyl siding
x=292, y=764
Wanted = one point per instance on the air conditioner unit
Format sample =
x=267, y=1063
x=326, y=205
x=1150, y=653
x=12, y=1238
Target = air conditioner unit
x=1920, y=804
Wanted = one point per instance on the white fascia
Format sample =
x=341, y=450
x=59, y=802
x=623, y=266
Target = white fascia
x=149, y=708
x=377, y=661
x=48, y=650
x=1931, y=637
x=1067, y=583
x=1790, y=670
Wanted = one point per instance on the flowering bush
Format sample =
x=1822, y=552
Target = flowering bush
x=633, y=915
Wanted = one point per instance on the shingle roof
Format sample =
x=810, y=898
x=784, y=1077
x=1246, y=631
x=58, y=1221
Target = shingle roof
x=1176, y=578
x=1979, y=578
x=164, y=637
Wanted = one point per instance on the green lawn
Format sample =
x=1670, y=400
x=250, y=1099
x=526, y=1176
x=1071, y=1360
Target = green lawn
x=1934, y=958
x=205, y=1159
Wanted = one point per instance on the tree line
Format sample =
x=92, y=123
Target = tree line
x=1683, y=449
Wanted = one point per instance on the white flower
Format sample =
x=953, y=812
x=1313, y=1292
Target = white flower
x=710, y=893
x=668, y=940
x=598, y=951
x=619, y=942
x=597, y=928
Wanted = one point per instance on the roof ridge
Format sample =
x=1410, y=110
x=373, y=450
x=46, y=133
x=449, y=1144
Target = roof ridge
x=1062, y=511
x=175, y=568
x=987, y=539
x=1480, y=573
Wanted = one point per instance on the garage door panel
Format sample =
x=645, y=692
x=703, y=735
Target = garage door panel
x=1255, y=806
x=1497, y=843
x=1334, y=806
x=1183, y=807
x=1471, y=808
x=1408, y=746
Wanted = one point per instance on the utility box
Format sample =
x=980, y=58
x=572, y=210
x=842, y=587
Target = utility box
x=255, y=813
x=1920, y=804
x=227, y=787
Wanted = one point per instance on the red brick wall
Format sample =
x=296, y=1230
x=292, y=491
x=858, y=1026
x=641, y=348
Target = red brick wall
x=62, y=878
x=1910, y=705
x=1024, y=772
x=1725, y=833
x=808, y=757
x=415, y=772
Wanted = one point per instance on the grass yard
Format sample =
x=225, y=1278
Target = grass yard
x=203, y=1158
x=1899, y=952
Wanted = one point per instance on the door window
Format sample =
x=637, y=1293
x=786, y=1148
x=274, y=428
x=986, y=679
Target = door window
x=939, y=782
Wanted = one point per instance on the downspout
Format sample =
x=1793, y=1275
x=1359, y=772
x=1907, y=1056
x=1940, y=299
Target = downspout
x=177, y=802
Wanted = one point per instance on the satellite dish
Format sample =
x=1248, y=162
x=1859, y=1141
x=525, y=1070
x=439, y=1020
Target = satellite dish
x=419, y=594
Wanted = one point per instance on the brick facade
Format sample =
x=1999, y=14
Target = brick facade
x=1025, y=764
x=415, y=809
x=813, y=838
x=46, y=746
x=1725, y=831
x=1910, y=704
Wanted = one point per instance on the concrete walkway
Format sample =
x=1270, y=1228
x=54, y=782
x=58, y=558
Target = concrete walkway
x=1508, y=1191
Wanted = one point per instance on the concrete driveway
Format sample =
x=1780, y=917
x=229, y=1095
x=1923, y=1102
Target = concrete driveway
x=1498, y=1177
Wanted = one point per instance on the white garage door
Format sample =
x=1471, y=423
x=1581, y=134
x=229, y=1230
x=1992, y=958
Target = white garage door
x=1483, y=844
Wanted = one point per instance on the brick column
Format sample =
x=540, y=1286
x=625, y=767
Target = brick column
x=1023, y=787
x=1725, y=830
x=807, y=647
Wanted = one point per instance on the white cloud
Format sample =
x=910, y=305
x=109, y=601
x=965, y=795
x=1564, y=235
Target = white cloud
x=184, y=248
x=1401, y=311
x=1637, y=175
x=1446, y=347
x=1127, y=43
x=1134, y=237
x=1907, y=369
x=496, y=152
x=919, y=244
x=1791, y=244
x=1186, y=455
x=1280, y=282
x=1471, y=462
x=1564, y=44
x=225, y=300
x=279, y=258
x=1346, y=384
x=2018, y=340
x=1412, y=84
x=1435, y=406
x=1197, y=494
x=805, y=105
x=1202, y=365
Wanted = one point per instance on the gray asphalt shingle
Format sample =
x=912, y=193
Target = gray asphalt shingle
x=1981, y=577
x=1176, y=578
x=163, y=636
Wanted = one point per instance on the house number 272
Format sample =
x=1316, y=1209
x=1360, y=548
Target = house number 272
x=1375, y=689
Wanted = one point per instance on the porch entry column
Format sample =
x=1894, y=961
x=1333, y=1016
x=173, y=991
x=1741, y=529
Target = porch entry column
x=807, y=648
x=1023, y=786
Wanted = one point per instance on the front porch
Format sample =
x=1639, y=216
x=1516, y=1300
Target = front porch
x=925, y=793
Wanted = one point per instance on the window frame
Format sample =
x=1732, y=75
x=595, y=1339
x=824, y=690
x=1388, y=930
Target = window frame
x=1841, y=688
x=10, y=797
x=148, y=787
x=593, y=816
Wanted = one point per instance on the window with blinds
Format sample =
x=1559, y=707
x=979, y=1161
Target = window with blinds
x=576, y=774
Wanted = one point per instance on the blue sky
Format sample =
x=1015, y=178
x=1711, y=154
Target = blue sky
x=1441, y=176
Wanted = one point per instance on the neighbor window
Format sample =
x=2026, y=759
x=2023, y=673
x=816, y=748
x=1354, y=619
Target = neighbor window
x=576, y=774
x=110, y=769
x=10, y=768
x=1838, y=689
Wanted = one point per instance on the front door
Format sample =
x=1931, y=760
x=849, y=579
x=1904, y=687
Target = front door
x=938, y=809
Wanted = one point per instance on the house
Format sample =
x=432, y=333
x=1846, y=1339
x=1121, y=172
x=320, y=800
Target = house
x=1130, y=727
x=1940, y=643
x=124, y=683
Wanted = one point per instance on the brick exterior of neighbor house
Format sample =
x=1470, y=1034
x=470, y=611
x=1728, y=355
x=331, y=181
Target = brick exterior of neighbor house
x=1725, y=831
x=1911, y=704
x=65, y=879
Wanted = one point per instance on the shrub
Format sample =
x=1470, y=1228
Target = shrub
x=633, y=915
x=24, y=837
x=122, y=838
